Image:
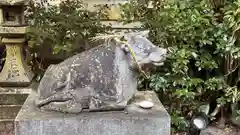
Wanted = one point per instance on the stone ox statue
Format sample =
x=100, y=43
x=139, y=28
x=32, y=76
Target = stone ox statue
x=102, y=78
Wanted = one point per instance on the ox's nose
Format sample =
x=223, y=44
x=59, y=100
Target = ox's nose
x=158, y=55
x=154, y=56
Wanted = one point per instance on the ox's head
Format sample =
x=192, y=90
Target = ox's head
x=146, y=52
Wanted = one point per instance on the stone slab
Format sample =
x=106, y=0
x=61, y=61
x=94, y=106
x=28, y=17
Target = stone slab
x=9, y=111
x=19, y=90
x=15, y=95
x=7, y=127
x=12, y=99
x=13, y=40
x=13, y=30
x=132, y=121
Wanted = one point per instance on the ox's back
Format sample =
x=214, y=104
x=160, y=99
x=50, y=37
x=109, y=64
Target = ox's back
x=98, y=68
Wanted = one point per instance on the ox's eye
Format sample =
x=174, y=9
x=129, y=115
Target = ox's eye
x=140, y=46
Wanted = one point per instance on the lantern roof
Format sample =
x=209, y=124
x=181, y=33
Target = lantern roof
x=13, y=2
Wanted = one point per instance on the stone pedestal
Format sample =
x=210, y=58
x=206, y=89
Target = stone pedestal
x=15, y=71
x=133, y=121
x=11, y=101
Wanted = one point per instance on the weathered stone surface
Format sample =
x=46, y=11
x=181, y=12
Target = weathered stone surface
x=9, y=31
x=13, y=41
x=15, y=71
x=212, y=130
x=9, y=111
x=19, y=90
x=12, y=99
x=132, y=121
x=103, y=78
x=7, y=127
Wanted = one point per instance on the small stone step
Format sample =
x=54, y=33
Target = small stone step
x=7, y=127
x=15, y=95
x=12, y=98
x=9, y=111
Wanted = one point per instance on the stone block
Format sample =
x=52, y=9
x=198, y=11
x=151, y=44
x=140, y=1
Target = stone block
x=132, y=121
x=9, y=111
x=19, y=90
x=12, y=99
x=6, y=127
x=15, y=95
x=13, y=30
x=13, y=41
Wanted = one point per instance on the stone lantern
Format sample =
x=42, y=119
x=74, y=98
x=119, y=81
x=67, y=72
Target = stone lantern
x=13, y=29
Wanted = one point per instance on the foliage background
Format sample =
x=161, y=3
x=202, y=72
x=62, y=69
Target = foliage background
x=59, y=31
x=203, y=53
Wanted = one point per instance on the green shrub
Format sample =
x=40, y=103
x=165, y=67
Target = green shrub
x=62, y=30
x=203, y=52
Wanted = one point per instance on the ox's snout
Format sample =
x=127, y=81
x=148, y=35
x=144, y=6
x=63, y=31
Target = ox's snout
x=158, y=56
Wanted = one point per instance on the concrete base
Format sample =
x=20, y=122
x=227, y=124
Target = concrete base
x=133, y=121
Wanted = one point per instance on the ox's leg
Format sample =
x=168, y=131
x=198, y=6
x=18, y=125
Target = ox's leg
x=78, y=99
x=62, y=102
x=69, y=106
x=99, y=105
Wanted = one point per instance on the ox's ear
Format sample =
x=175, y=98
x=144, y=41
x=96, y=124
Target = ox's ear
x=127, y=37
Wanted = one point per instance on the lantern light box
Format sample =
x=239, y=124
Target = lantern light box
x=13, y=15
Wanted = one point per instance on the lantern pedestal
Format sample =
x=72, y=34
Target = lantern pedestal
x=15, y=71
